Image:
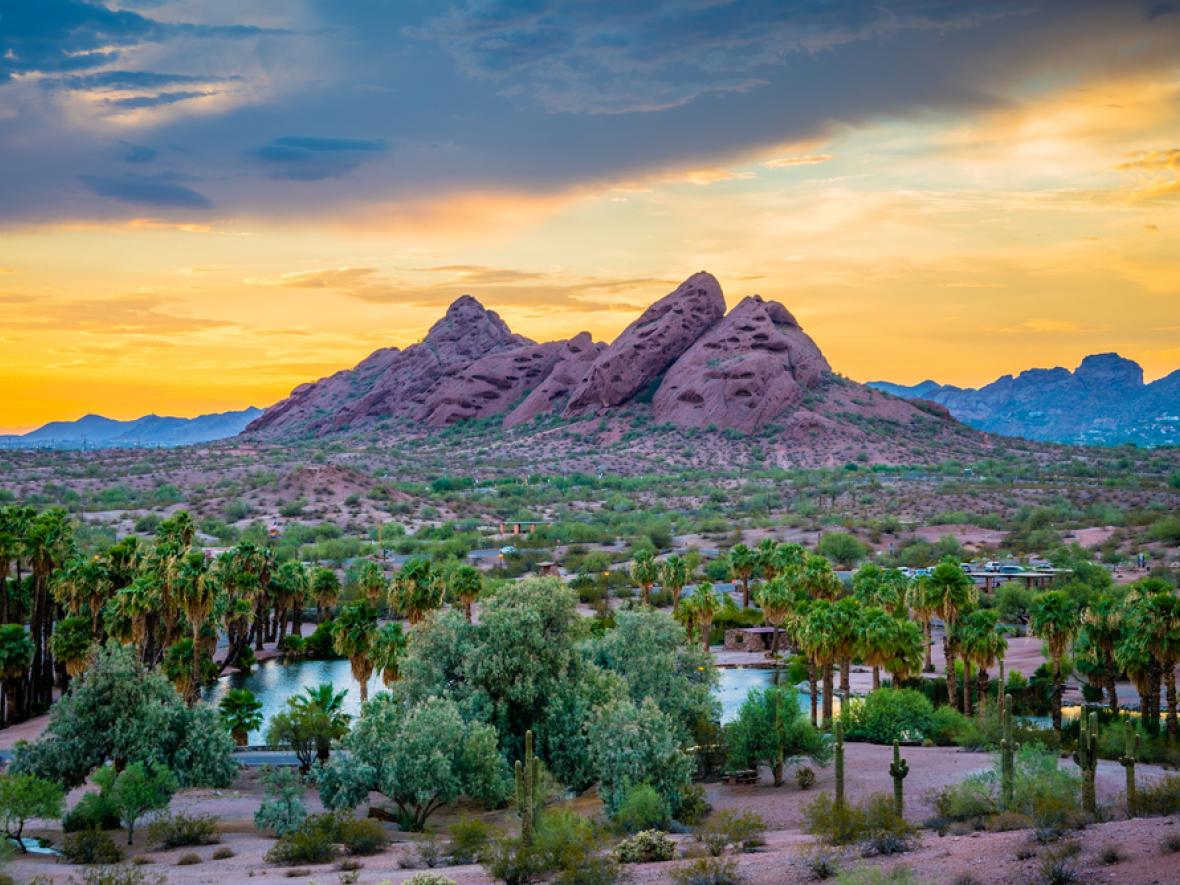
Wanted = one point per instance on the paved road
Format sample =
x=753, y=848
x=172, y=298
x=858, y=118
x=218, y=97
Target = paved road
x=251, y=758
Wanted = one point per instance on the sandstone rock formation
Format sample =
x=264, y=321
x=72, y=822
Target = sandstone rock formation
x=577, y=356
x=491, y=385
x=648, y=346
x=746, y=370
x=392, y=382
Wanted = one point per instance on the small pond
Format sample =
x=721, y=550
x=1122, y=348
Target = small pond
x=273, y=682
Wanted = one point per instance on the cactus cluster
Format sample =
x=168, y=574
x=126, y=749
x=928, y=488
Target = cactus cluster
x=1008, y=749
x=528, y=790
x=898, y=769
x=1128, y=760
x=839, y=765
x=1086, y=757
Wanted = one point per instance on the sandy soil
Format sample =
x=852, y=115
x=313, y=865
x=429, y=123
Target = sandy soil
x=989, y=857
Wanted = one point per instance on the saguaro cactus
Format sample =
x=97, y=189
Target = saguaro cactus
x=528, y=790
x=839, y=765
x=1129, y=758
x=1007, y=756
x=1086, y=758
x=898, y=769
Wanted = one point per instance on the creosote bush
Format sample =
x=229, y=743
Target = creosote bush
x=91, y=847
x=642, y=809
x=469, y=837
x=181, y=830
x=708, y=871
x=876, y=816
x=740, y=830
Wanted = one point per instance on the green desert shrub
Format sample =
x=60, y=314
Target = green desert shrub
x=642, y=809
x=741, y=830
x=426, y=879
x=188, y=859
x=313, y=841
x=694, y=805
x=121, y=874
x=182, y=830
x=91, y=847
x=93, y=811
x=947, y=725
x=361, y=836
x=469, y=837
x=708, y=871
x=854, y=822
x=646, y=846
x=891, y=714
x=1159, y=797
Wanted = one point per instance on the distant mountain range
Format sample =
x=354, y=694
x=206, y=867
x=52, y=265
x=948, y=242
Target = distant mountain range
x=150, y=431
x=1102, y=402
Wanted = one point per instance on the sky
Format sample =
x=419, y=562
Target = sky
x=204, y=204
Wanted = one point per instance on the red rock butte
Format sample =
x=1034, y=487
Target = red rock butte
x=684, y=357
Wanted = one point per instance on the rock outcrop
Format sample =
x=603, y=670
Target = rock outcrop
x=491, y=385
x=647, y=347
x=747, y=369
x=573, y=364
x=391, y=382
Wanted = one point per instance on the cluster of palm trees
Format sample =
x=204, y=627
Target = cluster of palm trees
x=885, y=619
x=167, y=598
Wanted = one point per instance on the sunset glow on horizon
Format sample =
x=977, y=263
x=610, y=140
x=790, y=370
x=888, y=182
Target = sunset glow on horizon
x=207, y=206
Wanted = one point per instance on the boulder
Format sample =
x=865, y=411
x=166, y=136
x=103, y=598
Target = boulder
x=573, y=363
x=647, y=347
x=749, y=368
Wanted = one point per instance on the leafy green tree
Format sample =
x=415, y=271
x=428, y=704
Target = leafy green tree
x=16, y=656
x=650, y=652
x=1056, y=620
x=634, y=744
x=841, y=548
x=770, y=729
x=121, y=712
x=421, y=759
x=742, y=564
x=24, y=797
x=136, y=790
x=353, y=633
x=241, y=712
x=465, y=584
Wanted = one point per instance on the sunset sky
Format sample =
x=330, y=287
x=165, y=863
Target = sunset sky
x=205, y=203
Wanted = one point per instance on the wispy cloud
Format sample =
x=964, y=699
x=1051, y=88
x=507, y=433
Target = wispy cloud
x=805, y=160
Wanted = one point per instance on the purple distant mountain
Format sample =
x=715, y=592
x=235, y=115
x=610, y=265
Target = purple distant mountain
x=150, y=431
x=1102, y=402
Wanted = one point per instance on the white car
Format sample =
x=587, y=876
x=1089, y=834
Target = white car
x=507, y=550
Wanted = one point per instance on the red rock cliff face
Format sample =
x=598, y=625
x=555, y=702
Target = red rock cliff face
x=648, y=346
x=747, y=369
x=573, y=364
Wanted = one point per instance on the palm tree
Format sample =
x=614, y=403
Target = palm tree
x=196, y=593
x=877, y=640
x=742, y=563
x=325, y=586
x=370, y=578
x=326, y=704
x=1054, y=618
x=923, y=602
x=645, y=571
x=16, y=656
x=673, y=577
x=776, y=600
x=466, y=583
x=955, y=594
x=907, y=650
x=241, y=712
x=14, y=522
x=882, y=588
x=136, y=603
x=980, y=643
x=767, y=561
x=1153, y=625
x=817, y=579
x=389, y=644
x=847, y=628
x=352, y=636
x=49, y=542
x=84, y=584
x=1102, y=628
x=818, y=639
x=700, y=609
x=417, y=589
x=73, y=643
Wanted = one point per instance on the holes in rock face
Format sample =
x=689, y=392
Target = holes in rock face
x=712, y=345
x=616, y=378
x=746, y=328
x=691, y=397
x=700, y=291
x=761, y=336
x=489, y=395
x=743, y=393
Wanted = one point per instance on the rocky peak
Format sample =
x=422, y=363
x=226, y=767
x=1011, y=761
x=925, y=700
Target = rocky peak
x=647, y=347
x=1109, y=370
